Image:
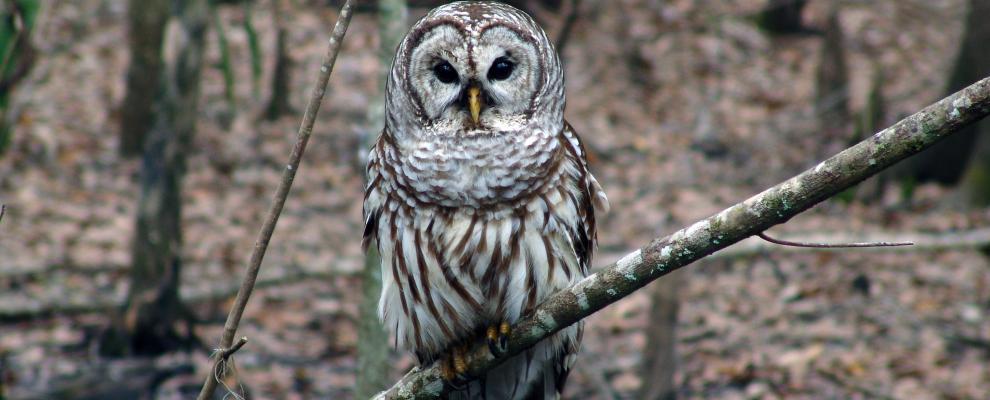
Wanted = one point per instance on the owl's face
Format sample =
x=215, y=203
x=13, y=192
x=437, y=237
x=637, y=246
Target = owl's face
x=473, y=80
x=471, y=67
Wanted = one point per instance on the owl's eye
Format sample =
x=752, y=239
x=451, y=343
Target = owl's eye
x=445, y=72
x=500, y=69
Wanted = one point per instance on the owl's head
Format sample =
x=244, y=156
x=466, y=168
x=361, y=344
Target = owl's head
x=475, y=67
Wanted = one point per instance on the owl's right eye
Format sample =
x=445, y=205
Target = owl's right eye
x=445, y=72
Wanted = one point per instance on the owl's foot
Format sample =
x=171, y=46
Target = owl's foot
x=498, y=338
x=453, y=366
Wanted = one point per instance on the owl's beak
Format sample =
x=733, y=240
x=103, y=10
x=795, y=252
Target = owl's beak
x=474, y=102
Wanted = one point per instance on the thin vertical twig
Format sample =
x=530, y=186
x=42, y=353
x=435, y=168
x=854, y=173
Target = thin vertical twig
x=281, y=193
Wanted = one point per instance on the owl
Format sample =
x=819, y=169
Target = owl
x=479, y=197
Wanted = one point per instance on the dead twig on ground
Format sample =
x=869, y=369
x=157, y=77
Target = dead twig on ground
x=281, y=193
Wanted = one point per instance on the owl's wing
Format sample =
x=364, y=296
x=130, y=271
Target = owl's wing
x=373, y=197
x=593, y=197
x=593, y=188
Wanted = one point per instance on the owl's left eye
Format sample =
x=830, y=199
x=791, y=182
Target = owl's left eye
x=501, y=69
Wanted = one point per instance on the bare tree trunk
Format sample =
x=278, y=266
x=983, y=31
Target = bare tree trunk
x=869, y=120
x=147, y=324
x=660, y=356
x=373, y=345
x=947, y=161
x=976, y=180
x=278, y=104
x=973, y=61
x=147, y=20
x=832, y=83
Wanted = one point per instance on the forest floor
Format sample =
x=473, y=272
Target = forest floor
x=686, y=107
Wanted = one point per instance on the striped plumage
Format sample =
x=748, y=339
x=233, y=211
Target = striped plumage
x=479, y=218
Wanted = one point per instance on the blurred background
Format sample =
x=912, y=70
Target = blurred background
x=141, y=142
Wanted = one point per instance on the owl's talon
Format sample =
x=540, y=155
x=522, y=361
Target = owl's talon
x=492, y=335
x=503, y=337
x=498, y=338
x=453, y=367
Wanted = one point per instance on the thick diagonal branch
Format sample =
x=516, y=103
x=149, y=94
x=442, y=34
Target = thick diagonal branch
x=758, y=213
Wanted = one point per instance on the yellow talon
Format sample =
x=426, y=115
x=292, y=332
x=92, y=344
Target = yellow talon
x=453, y=367
x=460, y=361
x=498, y=338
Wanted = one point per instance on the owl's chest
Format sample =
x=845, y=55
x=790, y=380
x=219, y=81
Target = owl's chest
x=479, y=173
x=447, y=272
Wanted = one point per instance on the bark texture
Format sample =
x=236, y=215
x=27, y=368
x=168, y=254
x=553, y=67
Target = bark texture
x=147, y=20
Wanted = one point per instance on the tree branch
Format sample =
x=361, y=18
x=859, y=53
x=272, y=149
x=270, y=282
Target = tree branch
x=758, y=213
x=968, y=239
x=281, y=193
x=843, y=245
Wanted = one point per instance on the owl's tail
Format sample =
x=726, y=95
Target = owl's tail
x=537, y=374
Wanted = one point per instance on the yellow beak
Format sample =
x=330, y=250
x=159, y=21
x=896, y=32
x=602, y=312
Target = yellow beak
x=474, y=103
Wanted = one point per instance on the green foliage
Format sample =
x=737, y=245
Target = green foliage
x=908, y=185
x=846, y=196
x=5, y=135
x=255, y=48
x=225, y=65
x=14, y=26
x=16, y=23
x=977, y=180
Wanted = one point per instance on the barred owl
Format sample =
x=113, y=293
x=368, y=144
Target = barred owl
x=479, y=197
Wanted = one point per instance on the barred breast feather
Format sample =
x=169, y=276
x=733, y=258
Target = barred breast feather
x=477, y=232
